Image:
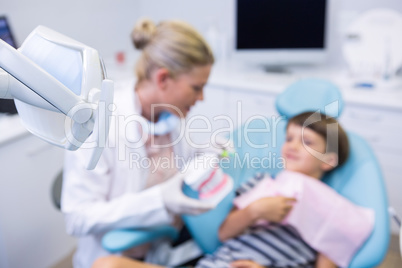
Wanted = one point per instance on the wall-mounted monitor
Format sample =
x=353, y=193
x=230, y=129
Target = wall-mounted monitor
x=5, y=32
x=7, y=106
x=281, y=32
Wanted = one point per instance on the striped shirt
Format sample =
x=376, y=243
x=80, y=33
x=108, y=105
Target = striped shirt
x=273, y=246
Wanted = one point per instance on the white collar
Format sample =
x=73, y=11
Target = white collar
x=167, y=122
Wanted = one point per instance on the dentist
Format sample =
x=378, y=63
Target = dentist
x=133, y=184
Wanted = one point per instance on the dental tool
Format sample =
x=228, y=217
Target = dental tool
x=204, y=176
x=60, y=90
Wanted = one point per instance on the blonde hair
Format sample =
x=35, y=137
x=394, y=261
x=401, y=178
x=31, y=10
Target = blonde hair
x=174, y=45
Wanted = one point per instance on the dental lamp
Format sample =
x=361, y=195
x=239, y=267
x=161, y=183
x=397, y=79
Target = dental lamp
x=60, y=90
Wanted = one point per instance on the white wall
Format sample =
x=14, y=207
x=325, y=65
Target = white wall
x=346, y=11
x=104, y=25
x=203, y=13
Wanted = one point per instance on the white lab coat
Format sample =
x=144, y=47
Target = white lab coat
x=112, y=195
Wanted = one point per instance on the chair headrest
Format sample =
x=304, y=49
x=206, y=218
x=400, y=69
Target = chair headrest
x=310, y=95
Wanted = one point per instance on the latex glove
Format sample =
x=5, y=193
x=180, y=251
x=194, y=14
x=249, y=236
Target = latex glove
x=177, y=202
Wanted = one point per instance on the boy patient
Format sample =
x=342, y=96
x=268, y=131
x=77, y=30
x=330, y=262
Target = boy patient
x=310, y=212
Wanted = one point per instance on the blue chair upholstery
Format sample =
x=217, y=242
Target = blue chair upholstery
x=124, y=239
x=359, y=179
x=310, y=95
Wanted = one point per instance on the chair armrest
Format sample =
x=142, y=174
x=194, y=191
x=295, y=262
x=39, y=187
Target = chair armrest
x=123, y=239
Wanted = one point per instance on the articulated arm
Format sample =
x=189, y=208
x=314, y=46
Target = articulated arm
x=58, y=85
x=39, y=81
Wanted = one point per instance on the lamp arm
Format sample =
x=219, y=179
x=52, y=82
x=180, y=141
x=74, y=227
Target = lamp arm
x=4, y=85
x=21, y=92
x=30, y=75
x=45, y=75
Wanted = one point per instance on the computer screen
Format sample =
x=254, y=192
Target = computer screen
x=7, y=106
x=281, y=31
x=5, y=32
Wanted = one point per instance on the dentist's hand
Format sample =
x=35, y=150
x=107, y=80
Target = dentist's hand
x=177, y=202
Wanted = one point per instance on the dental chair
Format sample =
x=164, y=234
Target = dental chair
x=359, y=179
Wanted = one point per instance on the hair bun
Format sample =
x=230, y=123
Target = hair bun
x=142, y=33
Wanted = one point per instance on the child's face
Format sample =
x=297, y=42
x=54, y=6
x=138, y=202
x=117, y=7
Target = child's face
x=296, y=156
